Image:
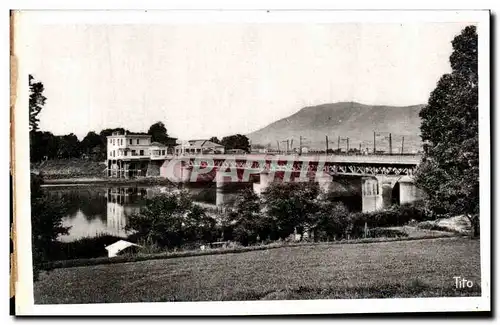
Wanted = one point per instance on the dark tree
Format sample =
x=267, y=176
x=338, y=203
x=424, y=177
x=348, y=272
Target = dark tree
x=43, y=145
x=449, y=172
x=293, y=206
x=69, y=146
x=158, y=133
x=37, y=100
x=214, y=140
x=246, y=219
x=171, y=220
x=46, y=224
x=90, y=141
x=237, y=141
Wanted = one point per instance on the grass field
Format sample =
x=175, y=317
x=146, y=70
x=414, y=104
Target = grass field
x=419, y=268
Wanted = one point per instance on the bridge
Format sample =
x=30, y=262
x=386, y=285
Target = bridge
x=380, y=178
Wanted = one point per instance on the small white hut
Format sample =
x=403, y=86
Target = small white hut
x=119, y=246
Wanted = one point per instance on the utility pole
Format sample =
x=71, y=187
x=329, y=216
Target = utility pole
x=338, y=144
x=300, y=145
x=287, y=146
x=374, y=142
x=402, y=145
x=278, y=145
x=390, y=143
x=347, y=143
x=326, y=142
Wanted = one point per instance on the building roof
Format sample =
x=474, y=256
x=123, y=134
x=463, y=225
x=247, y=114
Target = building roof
x=157, y=144
x=129, y=135
x=200, y=144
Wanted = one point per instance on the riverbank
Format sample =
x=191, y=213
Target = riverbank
x=417, y=268
x=83, y=181
x=411, y=234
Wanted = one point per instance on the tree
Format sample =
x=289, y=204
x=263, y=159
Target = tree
x=36, y=102
x=237, y=141
x=292, y=206
x=449, y=172
x=46, y=224
x=158, y=133
x=171, y=220
x=214, y=140
x=331, y=220
x=69, y=146
x=90, y=142
x=246, y=219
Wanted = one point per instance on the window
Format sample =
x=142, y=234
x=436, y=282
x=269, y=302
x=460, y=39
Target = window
x=163, y=152
x=130, y=141
x=137, y=141
x=141, y=152
x=133, y=153
x=113, y=141
x=110, y=141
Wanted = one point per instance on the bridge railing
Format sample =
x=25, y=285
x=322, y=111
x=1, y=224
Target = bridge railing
x=378, y=158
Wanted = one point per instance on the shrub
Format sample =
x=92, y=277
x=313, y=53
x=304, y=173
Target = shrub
x=172, y=220
x=46, y=224
x=291, y=206
x=386, y=232
x=332, y=221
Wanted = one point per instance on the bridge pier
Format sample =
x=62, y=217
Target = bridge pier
x=370, y=194
x=263, y=184
x=219, y=192
x=408, y=191
x=324, y=181
x=376, y=193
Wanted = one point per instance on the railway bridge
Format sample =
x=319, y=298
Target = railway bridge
x=379, y=180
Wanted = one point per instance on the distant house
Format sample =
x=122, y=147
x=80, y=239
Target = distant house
x=199, y=147
x=158, y=149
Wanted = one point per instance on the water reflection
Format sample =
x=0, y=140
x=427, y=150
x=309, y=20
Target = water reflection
x=95, y=210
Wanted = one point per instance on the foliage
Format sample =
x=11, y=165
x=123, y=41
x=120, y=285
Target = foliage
x=46, y=224
x=172, y=220
x=386, y=233
x=449, y=172
x=292, y=206
x=36, y=102
x=92, y=146
x=332, y=220
x=158, y=133
x=246, y=220
x=237, y=141
x=214, y=140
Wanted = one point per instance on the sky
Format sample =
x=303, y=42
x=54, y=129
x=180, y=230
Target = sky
x=206, y=80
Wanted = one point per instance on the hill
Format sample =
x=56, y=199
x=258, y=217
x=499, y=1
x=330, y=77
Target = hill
x=346, y=119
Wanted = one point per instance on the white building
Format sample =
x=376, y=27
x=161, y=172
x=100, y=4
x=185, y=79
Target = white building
x=193, y=147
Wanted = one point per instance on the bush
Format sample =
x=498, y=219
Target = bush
x=386, y=232
x=87, y=247
x=172, y=220
x=332, y=221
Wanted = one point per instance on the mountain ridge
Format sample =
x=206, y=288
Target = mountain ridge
x=351, y=120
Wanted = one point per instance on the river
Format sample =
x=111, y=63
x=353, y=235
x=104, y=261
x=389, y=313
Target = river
x=101, y=209
x=104, y=209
